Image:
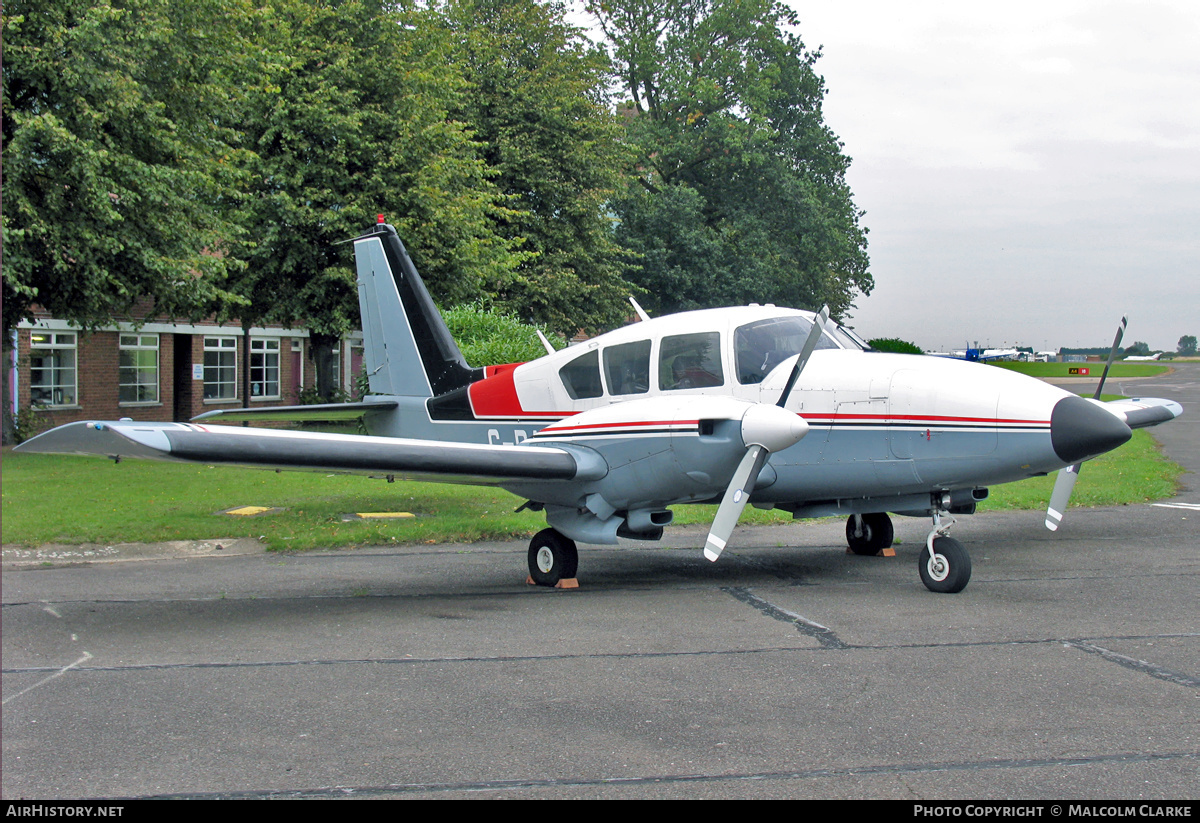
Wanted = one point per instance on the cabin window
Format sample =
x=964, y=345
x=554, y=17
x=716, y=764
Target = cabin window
x=690, y=361
x=581, y=377
x=627, y=368
x=137, y=368
x=764, y=344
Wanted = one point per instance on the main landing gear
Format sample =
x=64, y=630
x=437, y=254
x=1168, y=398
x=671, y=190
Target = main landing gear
x=869, y=534
x=553, y=560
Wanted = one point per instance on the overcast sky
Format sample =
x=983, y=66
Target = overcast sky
x=1030, y=171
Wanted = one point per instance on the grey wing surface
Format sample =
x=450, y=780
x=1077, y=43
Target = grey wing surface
x=314, y=451
x=1140, y=412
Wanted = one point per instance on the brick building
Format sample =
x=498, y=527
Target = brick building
x=162, y=371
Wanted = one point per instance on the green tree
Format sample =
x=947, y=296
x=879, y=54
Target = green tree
x=895, y=345
x=536, y=103
x=1187, y=345
x=351, y=121
x=741, y=193
x=489, y=337
x=118, y=156
x=1139, y=348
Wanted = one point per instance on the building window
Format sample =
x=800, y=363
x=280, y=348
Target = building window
x=137, y=378
x=264, y=369
x=220, y=368
x=52, y=369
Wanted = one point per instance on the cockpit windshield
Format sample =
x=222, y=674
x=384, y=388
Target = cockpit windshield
x=764, y=344
x=849, y=339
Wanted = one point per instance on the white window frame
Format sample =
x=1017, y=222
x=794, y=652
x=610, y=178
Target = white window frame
x=63, y=386
x=220, y=374
x=140, y=376
x=264, y=386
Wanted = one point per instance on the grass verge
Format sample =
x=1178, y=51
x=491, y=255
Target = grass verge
x=1119, y=369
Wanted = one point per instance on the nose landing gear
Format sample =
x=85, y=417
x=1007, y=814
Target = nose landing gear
x=944, y=564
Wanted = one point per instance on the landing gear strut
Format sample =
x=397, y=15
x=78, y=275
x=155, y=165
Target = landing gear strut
x=553, y=559
x=944, y=564
x=869, y=534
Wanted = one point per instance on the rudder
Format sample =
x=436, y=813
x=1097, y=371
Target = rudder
x=408, y=349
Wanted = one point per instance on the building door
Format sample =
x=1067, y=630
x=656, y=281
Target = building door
x=182, y=378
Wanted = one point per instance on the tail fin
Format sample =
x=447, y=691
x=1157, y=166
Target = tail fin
x=407, y=347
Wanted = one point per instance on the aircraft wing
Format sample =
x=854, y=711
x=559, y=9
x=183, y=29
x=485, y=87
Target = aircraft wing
x=1139, y=412
x=321, y=412
x=314, y=451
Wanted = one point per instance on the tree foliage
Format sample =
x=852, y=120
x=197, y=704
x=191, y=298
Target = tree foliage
x=489, y=337
x=894, y=345
x=119, y=158
x=741, y=192
x=215, y=155
x=353, y=121
x=536, y=104
x=1187, y=345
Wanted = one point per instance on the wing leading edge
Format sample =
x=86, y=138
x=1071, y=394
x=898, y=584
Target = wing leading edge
x=1140, y=412
x=313, y=451
x=320, y=412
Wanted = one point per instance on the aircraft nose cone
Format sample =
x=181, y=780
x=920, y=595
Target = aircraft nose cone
x=1080, y=429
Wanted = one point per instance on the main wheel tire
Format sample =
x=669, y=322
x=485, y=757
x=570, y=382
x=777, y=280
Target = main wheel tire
x=948, y=569
x=877, y=534
x=552, y=557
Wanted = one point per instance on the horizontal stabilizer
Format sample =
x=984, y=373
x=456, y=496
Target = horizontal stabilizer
x=300, y=414
x=313, y=451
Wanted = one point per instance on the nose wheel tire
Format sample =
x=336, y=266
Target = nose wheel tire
x=552, y=557
x=948, y=569
x=876, y=534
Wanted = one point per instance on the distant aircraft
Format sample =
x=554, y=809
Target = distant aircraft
x=775, y=407
x=980, y=355
x=1131, y=358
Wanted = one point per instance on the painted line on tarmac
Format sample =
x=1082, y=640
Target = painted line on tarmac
x=1191, y=507
x=86, y=657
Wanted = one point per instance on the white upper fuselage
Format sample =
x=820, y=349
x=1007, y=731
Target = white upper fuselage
x=709, y=353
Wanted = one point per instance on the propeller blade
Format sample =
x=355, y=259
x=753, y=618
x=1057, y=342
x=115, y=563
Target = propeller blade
x=1112, y=354
x=765, y=429
x=1061, y=496
x=734, y=501
x=810, y=345
x=1065, y=484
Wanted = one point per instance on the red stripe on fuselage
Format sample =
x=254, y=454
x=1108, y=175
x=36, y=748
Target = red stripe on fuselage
x=622, y=424
x=935, y=418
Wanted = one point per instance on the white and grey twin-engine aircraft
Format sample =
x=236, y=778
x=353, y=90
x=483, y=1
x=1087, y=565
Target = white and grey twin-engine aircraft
x=776, y=407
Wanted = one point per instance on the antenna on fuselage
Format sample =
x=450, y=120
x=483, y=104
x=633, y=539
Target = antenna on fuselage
x=641, y=313
x=545, y=342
